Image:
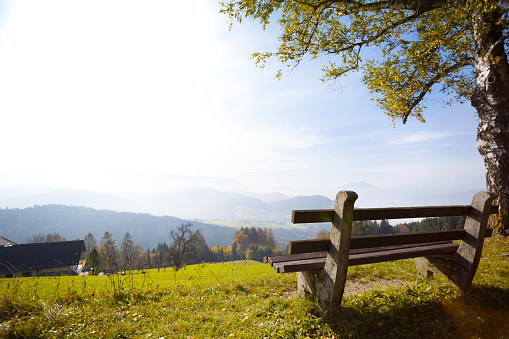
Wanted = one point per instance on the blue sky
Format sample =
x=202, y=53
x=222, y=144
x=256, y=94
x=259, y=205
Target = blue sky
x=97, y=87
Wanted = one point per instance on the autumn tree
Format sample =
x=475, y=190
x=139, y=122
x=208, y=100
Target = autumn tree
x=161, y=255
x=201, y=251
x=94, y=261
x=457, y=47
x=253, y=244
x=126, y=251
x=108, y=250
x=90, y=242
x=323, y=235
x=137, y=260
x=184, y=241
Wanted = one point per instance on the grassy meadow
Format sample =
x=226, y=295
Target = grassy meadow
x=249, y=300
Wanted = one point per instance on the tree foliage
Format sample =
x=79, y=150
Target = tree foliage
x=425, y=45
x=108, y=251
x=253, y=244
x=127, y=251
x=90, y=242
x=94, y=261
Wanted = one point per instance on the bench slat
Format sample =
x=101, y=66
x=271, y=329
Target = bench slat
x=292, y=257
x=305, y=246
x=319, y=254
x=422, y=251
x=394, y=247
x=364, y=258
x=300, y=265
x=314, y=216
x=405, y=238
x=318, y=245
x=323, y=254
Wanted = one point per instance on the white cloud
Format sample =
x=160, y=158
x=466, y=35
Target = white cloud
x=423, y=137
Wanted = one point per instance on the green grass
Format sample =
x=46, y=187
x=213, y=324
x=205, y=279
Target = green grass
x=249, y=300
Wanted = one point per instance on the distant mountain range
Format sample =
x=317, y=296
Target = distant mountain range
x=203, y=203
x=194, y=203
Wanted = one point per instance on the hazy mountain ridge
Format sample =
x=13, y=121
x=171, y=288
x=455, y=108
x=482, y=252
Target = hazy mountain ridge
x=204, y=203
x=193, y=203
x=74, y=222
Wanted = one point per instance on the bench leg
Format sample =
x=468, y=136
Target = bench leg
x=307, y=283
x=328, y=284
x=462, y=269
x=424, y=268
x=427, y=266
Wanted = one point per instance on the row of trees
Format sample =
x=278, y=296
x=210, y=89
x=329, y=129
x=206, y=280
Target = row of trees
x=187, y=247
x=132, y=256
x=36, y=238
x=107, y=255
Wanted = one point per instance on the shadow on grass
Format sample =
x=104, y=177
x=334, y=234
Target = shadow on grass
x=482, y=313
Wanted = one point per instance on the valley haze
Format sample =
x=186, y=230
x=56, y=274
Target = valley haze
x=150, y=205
x=215, y=198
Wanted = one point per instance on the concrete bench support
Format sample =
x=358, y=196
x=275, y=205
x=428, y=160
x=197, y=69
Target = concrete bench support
x=328, y=284
x=460, y=267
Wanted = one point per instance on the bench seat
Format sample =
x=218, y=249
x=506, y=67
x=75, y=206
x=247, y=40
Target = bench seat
x=313, y=261
x=316, y=260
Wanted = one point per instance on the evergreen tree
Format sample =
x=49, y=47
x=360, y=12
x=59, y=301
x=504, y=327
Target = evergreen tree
x=109, y=251
x=126, y=251
x=94, y=261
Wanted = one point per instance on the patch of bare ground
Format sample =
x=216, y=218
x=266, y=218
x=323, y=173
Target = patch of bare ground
x=355, y=287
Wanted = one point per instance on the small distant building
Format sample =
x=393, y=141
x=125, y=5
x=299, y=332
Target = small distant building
x=6, y=242
x=42, y=259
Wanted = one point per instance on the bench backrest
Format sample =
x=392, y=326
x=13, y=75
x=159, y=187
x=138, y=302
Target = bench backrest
x=359, y=214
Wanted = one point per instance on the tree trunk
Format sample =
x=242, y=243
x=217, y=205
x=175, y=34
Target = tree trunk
x=491, y=100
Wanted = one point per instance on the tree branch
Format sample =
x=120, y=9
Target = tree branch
x=380, y=33
x=432, y=81
x=415, y=5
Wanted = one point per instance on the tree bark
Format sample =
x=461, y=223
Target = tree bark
x=491, y=100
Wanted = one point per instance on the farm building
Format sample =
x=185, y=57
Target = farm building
x=6, y=242
x=42, y=259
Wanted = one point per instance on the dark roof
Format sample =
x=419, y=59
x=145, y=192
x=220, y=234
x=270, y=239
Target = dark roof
x=25, y=257
x=4, y=242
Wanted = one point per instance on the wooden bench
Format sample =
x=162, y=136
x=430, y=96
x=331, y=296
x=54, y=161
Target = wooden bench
x=321, y=265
